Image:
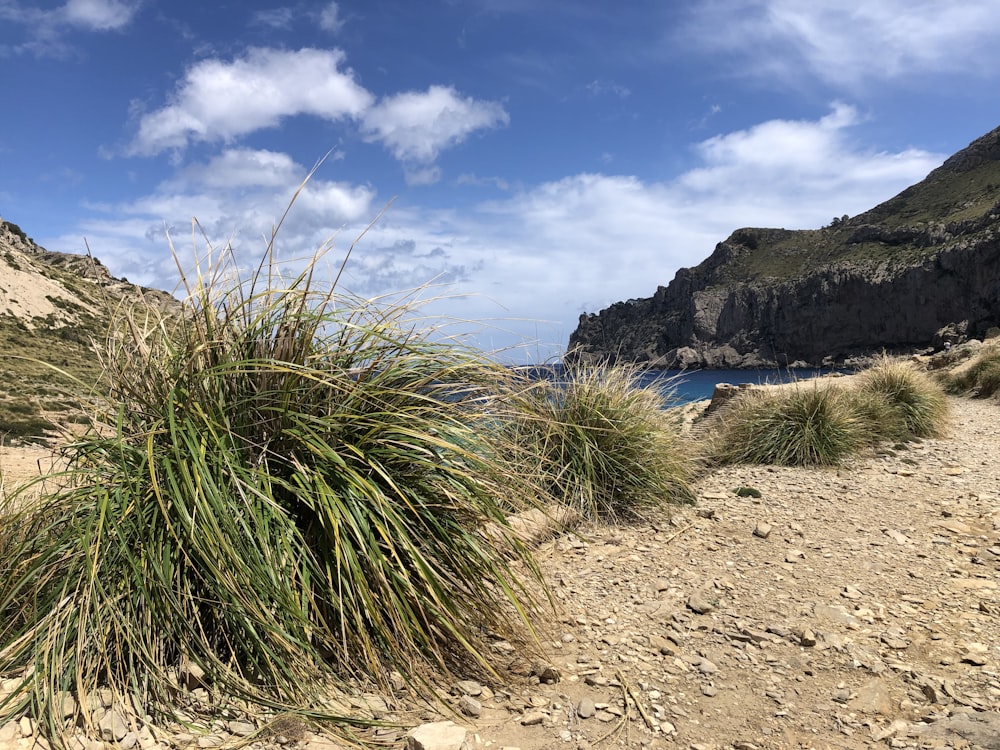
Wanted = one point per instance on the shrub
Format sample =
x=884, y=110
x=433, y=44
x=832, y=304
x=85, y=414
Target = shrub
x=883, y=419
x=981, y=378
x=800, y=425
x=602, y=444
x=290, y=490
x=916, y=398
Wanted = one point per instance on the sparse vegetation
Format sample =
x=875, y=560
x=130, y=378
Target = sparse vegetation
x=16, y=230
x=981, y=378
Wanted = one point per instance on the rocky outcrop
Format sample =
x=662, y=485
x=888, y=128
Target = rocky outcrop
x=890, y=279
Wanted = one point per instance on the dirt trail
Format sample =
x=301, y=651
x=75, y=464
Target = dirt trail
x=843, y=608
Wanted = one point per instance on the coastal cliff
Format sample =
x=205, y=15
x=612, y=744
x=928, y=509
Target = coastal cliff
x=921, y=267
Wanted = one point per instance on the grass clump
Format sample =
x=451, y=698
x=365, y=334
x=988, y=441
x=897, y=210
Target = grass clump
x=291, y=490
x=917, y=406
x=801, y=425
x=604, y=445
x=980, y=379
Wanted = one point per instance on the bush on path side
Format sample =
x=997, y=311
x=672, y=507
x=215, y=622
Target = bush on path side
x=287, y=488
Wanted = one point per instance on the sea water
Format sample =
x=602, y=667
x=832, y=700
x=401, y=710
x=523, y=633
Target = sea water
x=685, y=386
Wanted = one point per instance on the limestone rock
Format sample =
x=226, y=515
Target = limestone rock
x=439, y=735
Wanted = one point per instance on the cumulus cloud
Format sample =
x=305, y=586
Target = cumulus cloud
x=848, y=43
x=531, y=262
x=416, y=126
x=221, y=100
x=238, y=195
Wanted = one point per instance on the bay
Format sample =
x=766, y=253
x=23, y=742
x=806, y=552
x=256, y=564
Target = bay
x=685, y=386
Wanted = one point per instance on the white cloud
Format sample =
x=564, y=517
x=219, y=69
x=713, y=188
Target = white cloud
x=220, y=100
x=47, y=29
x=241, y=167
x=99, y=15
x=416, y=126
x=849, y=42
x=330, y=18
x=239, y=194
x=275, y=18
x=532, y=262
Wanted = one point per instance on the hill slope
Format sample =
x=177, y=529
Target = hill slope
x=54, y=309
x=889, y=278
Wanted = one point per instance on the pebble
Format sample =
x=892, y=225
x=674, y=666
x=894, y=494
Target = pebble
x=850, y=592
x=586, y=709
x=532, y=718
x=468, y=687
x=699, y=604
x=470, y=706
x=707, y=667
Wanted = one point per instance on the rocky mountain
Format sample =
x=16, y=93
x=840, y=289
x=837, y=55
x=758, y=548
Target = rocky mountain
x=55, y=310
x=922, y=267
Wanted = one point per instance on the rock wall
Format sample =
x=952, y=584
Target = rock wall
x=828, y=317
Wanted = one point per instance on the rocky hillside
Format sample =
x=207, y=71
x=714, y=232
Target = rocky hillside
x=55, y=309
x=891, y=278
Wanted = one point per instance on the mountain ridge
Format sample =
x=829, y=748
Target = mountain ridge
x=920, y=266
x=55, y=309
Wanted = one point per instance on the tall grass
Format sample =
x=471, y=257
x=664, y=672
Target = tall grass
x=604, y=445
x=288, y=488
x=798, y=425
x=822, y=424
x=914, y=398
x=981, y=378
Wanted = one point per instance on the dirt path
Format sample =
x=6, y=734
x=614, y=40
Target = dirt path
x=845, y=608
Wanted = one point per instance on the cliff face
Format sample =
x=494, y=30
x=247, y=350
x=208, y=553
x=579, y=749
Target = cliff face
x=890, y=278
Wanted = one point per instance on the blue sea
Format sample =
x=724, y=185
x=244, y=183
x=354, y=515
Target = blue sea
x=697, y=385
x=684, y=386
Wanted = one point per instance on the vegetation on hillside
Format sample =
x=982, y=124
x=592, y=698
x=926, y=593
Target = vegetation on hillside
x=50, y=362
x=960, y=198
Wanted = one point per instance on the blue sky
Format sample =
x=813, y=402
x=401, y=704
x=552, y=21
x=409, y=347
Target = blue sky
x=544, y=159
